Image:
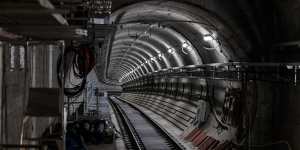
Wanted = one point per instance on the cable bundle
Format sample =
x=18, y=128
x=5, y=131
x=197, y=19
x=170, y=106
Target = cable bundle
x=76, y=62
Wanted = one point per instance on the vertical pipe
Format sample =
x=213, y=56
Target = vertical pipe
x=1, y=75
x=69, y=110
x=50, y=76
x=4, y=136
x=24, y=65
x=33, y=84
x=62, y=109
x=33, y=68
x=295, y=75
x=97, y=105
x=12, y=57
x=50, y=66
x=85, y=100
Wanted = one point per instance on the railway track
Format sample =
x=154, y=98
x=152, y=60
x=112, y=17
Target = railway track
x=139, y=131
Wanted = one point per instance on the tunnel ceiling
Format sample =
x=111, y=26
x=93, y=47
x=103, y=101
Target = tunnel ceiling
x=156, y=35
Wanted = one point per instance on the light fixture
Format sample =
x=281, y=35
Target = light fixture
x=171, y=50
x=97, y=21
x=289, y=67
x=81, y=32
x=160, y=55
x=185, y=45
x=208, y=37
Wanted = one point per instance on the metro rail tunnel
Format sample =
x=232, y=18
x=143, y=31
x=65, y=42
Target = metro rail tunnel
x=149, y=74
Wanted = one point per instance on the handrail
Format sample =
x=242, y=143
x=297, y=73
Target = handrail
x=232, y=71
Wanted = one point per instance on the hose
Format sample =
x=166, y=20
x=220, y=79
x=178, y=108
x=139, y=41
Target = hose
x=81, y=62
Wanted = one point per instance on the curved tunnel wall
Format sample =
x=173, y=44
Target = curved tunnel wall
x=161, y=29
x=155, y=36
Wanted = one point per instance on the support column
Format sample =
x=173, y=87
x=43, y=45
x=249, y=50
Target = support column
x=1, y=75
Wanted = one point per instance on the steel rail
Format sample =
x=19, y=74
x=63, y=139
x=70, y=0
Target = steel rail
x=142, y=127
x=130, y=133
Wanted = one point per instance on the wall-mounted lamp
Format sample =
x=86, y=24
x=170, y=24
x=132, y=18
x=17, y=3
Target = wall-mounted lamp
x=171, y=50
x=153, y=58
x=185, y=46
x=208, y=37
x=160, y=55
x=289, y=67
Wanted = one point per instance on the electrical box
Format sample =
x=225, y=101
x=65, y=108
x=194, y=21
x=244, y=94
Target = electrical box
x=202, y=113
x=43, y=102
